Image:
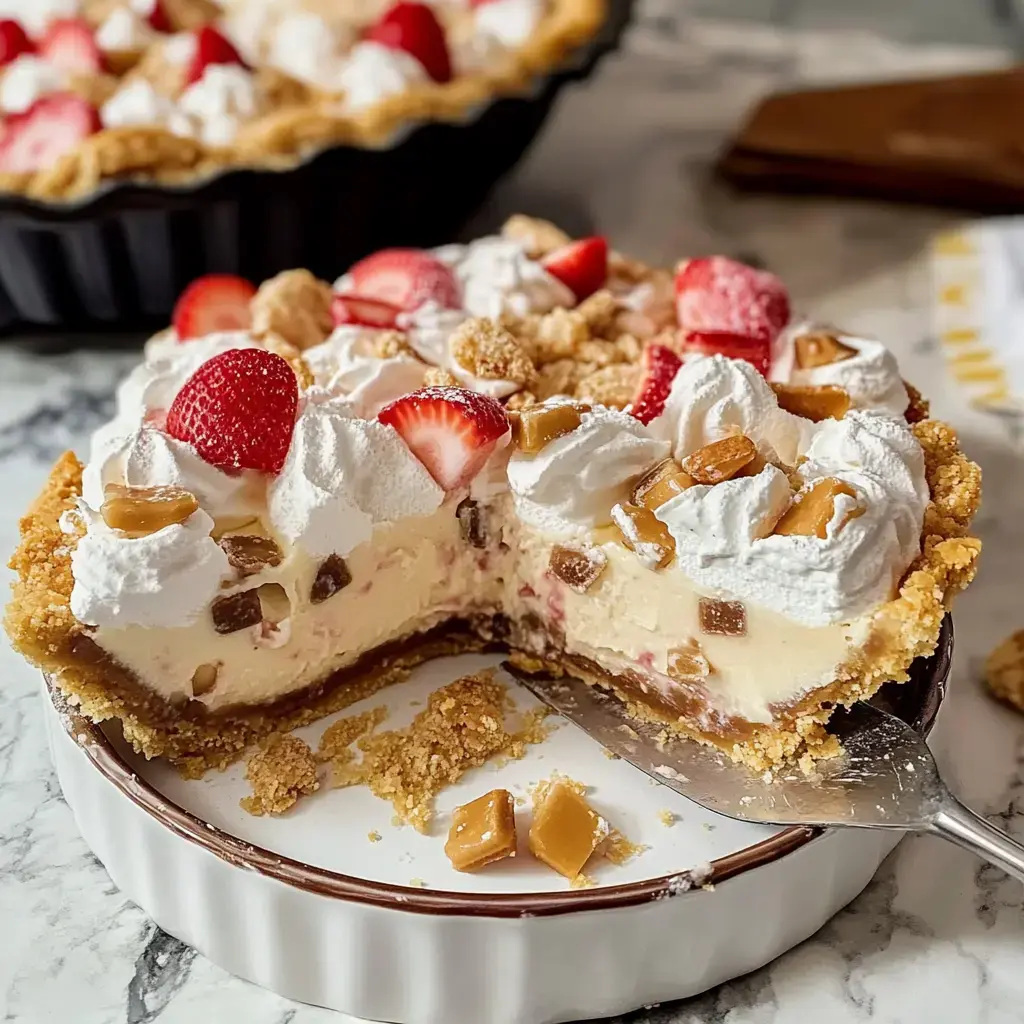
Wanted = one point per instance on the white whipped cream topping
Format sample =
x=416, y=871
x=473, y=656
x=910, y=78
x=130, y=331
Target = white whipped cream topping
x=35, y=15
x=342, y=476
x=25, y=80
x=571, y=484
x=125, y=28
x=372, y=72
x=497, y=276
x=311, y=50
x=871, y=377
x=179, y=48
x=722, y=540
x=511, y=22
x=218, y=103
x=167, y=578
x=345, y=364
x=137, y=102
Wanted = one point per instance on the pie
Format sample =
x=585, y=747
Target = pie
x=174, y=90
x=656, y=481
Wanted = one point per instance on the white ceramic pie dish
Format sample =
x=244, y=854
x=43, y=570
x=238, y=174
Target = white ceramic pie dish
x=307, y=906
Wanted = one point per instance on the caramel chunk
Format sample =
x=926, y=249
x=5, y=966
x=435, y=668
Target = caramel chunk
x=720, y=460
x=820, y=348
x=144, y=510
x=661, y=482
x=538, y=425
x=332, y=576
x=688, y=664
x=566, y=830
x=815, y=402
x=577, y=568
x=471, y=523
x=644, y=533
x=237, y=611
x=250, y=554
x=482, y=831
x=812, y=510
x=204, y=679
x=722, y=618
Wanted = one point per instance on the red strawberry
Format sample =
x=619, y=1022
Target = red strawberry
x=755, y=350
x=13, y=41
x=450, y=430
x=581, y=266
x=405, y=278
x=211, y=48
x=353, y=309
x=414, y=27
x=159, y=20
x=213, y=302
x=660, y=365
x=51, y=127
x=715, y=293
x=70, y=45
x=238, y=410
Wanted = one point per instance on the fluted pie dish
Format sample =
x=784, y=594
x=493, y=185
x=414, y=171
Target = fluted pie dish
x=657, y=482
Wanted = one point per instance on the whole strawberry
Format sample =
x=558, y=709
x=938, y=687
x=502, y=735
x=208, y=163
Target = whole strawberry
x=238, y=410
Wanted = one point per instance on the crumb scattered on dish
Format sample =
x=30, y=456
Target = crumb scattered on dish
x=667, y=818
x=1004, y=670
x=281, y=771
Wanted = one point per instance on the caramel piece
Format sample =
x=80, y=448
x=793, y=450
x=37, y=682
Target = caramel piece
x=720, y=460
x=722, y=618
x=812, y=510
x=250, y=554
x=820, y=349
x=471, y=523
x=577, y=568
x=813, y=402
x=538, y=425
x=482, y=831
x=643, y=532
x=204, y=679
x=237, y=611
x=144, y=510
x=566, y=830
x=688, y=664
x=332, y=576
x=661, y=482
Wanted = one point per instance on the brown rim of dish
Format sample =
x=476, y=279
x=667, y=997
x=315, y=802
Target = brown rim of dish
x=102, y=753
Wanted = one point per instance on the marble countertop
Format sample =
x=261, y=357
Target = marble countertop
x=936, y=936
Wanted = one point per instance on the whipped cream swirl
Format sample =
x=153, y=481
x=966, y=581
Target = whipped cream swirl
x=125, y=28
x=310, y=49
x=216, y=106
x=510, y=22
x=26, y=79
x=138, y=103
x=372, y=72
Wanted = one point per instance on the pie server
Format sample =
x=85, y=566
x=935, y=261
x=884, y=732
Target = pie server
x=886, y=778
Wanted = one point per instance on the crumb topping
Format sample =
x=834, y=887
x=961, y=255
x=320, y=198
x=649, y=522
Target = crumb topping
x=486, y=350
x=295, y=306
x=281, y=771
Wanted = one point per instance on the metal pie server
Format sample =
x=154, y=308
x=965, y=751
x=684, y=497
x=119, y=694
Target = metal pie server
x=886, y=777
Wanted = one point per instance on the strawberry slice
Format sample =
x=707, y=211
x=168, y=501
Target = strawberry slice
x=211, y=48
x=414, y=28
x=755, y=350
x=352, y=309
x=715, y=293
x=51, y=127
x=158, y=18
x=405, y=278
x=660, y=365
x=581, y=266
x=238, y=410
x=69, y=44
x=214, y=302
x=450, y=430
x=13, y=41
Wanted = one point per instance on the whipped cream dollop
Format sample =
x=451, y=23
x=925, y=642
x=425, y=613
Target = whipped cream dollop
x=310, y=49
x=35, y=15
x=372, y=72
x=570, y=485
x=125, y=28
x=510, y=22
x=167, y=578
x=342, y=476
x=218, y=104
x=138, y=103
x=347, y=364
x=497, y=276
x=26, y=79
x=179, y=48
x=871, y=377
x=723, y=533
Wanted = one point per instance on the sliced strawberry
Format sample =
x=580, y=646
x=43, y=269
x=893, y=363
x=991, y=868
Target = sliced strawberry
x=414, y=28
x=405, y=278
x=158, y=18
x=13, y=41
x=214, y=302
x=450, y=430
x=51, y=127
x=755, y=350
x=715, y=293
x=238, y=410
x=70, y=45
x=353, y=309
x=581, y=266
x=211, y=48
x=660, y=365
